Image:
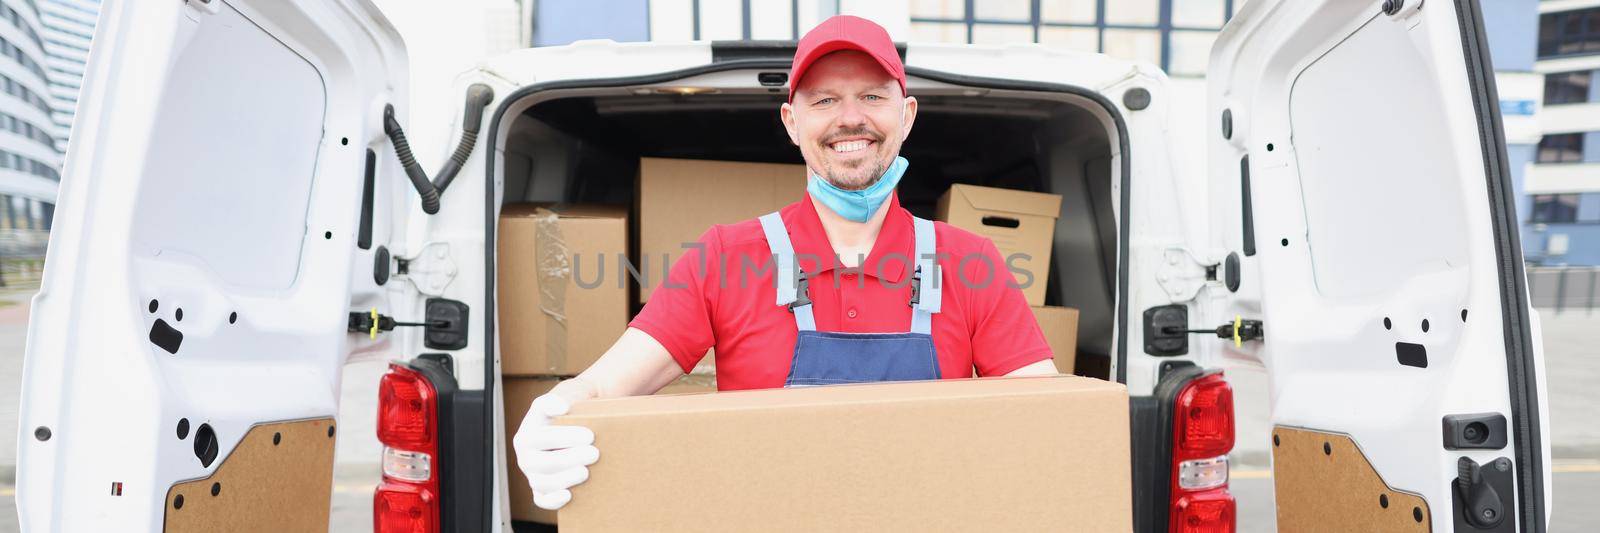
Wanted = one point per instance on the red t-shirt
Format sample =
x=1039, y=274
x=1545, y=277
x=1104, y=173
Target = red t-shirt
x=721, y=295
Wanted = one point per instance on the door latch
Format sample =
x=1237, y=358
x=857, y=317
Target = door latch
x=1240, y=330
x=1478, y=494
x=371, y=322
x=445, y=327
x=1164, y=330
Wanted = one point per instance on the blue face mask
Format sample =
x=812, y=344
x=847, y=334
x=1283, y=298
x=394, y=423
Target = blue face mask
x=858, y=205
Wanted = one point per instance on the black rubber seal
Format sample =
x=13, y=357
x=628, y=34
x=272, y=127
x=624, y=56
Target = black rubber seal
x=1523, y=381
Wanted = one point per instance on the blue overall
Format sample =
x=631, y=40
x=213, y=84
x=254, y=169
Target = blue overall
x=827, y=358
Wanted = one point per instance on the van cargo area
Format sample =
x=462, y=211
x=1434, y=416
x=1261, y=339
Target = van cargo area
x=583, y=146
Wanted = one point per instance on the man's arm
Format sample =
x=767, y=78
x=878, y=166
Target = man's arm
x=1046, y=367
x=635, y=365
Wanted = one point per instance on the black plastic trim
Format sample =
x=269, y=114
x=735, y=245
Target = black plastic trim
x=733, y=58
x=1231, y=275
x=1479, y=431
x=1521, y=377
x=1145, y=436
x=1166, y=330
x=459, y=465
x=368, y=182
x=1245, y=208
x=766, y=50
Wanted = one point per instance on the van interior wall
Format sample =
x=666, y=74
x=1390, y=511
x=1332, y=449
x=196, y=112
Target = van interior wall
x=586, y=149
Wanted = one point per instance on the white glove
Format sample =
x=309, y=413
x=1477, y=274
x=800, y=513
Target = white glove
x=555, y=458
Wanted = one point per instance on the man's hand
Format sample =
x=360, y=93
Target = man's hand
x=555, y=458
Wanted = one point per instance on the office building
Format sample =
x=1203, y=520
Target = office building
x=68, y=26
x=29, y=159
x=1562, y=223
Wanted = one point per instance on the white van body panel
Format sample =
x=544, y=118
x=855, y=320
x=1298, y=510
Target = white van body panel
x=1372, y=228
x=217, y=168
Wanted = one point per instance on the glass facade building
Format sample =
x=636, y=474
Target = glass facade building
x=1561, y=222
x=30, y=157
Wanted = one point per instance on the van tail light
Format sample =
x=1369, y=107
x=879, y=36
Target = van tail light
x=408, y=426
x=1202, y=436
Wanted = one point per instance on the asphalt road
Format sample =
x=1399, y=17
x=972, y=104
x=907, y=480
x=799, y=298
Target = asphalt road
x=1572, y=370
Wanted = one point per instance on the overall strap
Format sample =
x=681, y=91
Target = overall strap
x=790, y=280
x=926, y=298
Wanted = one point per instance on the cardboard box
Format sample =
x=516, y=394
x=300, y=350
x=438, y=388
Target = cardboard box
x=519, y=394
x=558, y=319
x=679, y=199
x=1060, y=327
x=1019, y=222
x=993, y=454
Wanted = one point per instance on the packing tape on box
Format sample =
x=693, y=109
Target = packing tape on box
x=554, y=268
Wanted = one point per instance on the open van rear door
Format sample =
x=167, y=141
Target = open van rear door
x=227, y=193
x=1358, y=181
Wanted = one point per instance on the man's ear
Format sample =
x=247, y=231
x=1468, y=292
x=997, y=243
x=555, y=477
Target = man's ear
x=911, y=116
x=786, y=113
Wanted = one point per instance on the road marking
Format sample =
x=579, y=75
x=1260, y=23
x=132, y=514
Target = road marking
x=353, y=489
x=1250, y=474
x=1576, y=468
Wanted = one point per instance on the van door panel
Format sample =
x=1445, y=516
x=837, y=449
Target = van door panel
x=203, y=260
x=1386, y=268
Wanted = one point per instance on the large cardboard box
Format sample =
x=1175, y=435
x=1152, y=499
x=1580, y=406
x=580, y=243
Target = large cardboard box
x=992, y=454
x=1060, y=327
x=519, y=393
x=1019, y=222
x=679, y=199
x=561, y=304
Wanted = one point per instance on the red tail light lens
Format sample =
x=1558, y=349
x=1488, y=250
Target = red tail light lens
x=404, y=508
x=406, y=410
x=1202, y=436
x=408, y=422
x=1203, y=418
x=1206, y=512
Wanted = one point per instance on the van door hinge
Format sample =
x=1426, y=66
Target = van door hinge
x=430, y=270
x=1181, y=275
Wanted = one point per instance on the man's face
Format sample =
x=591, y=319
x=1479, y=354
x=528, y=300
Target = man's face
x=849, y=119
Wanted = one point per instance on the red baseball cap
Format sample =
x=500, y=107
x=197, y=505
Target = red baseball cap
x=845, y=32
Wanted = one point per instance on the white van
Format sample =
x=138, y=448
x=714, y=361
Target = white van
x=232, y=208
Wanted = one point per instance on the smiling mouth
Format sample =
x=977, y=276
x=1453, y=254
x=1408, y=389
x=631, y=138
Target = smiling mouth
x=850, y=146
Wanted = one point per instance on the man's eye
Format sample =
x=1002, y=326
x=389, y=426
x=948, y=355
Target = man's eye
x=873, y=97
x=824, y=101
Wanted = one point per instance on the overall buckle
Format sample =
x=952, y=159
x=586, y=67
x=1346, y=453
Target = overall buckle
x=916, y=286
x=803, y=294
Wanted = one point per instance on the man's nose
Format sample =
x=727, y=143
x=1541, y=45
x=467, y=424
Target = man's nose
x=851, y=114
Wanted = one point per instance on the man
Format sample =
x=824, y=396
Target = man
x=849, y=261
